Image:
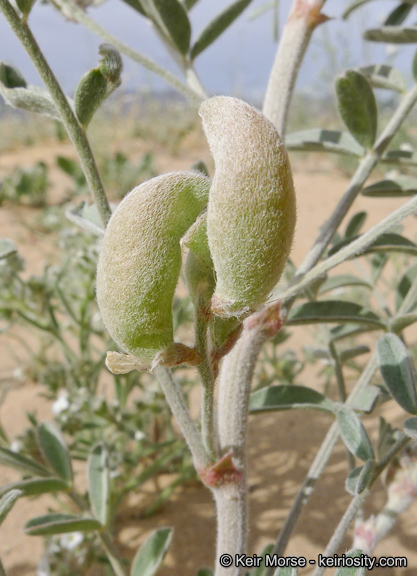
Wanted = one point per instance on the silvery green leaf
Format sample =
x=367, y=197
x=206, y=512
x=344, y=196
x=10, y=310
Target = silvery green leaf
x=55, y=451
x=205, y=572
x=136, y=5
x=10, y=77
x=353, y=352
x=400, y=323
x=366, y=399
x=397, y=371
x=378, y=262
x=388, y=242
x=217, y=26
x=189, y=3
x=7, y=248
x=31, y=99
x=354, y=434
x=286, y=571
x=410, y=427
x=359, y=478
x=357, y=107
x=384, y=76
x=288, y=397
x=99, y=482
x=151, y=554
x=86, y=217
x=261, y=570
x=2, y=570
x=7, y=502
x=21, y=463
x=200, y=166
x=320, y=140
x=355, y=224
x=170, y=17
x=333, y=311
x=401, y=157
x=400, y=187
x=353, y=571
x=36, y=486
x=335, y=282
x=345, y=331
x=392, y=34
x=405, y=285
x=398, y=15
x=59, y=524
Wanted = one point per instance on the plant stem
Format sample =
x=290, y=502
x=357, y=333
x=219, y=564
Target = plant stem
x=342, y=528
x=317, y=467
x=354, y=248
x=105, y=537
x=362, y=173
x=80, y=16
x=235, y=381
x=303, y=19
x=75, y=132
x=175, y=399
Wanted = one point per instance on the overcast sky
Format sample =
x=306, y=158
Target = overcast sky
x=237, y=63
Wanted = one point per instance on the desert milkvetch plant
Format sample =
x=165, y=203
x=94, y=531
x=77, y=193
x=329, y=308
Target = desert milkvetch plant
x=235, y=233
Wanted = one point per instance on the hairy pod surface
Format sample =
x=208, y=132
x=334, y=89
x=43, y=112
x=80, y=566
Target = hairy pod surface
x=251, y=211
x=140, y=261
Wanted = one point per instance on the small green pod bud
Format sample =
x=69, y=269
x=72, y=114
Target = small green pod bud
x=25, y=6
x=251, y=212
x=11, y=77
x=140, y=260
x=97, y=84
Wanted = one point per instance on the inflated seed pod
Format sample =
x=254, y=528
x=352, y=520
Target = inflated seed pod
x=251, y=212
x=140, y=260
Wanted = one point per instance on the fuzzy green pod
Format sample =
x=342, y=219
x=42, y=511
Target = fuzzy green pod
x=251, y=212
x=140, y=260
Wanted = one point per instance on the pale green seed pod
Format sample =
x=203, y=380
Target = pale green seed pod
x=140, y=261
x=251, y=212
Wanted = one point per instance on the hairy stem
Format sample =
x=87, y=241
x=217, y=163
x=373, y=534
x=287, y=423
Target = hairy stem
x=75, y=132
x=80, y=16
x=304, y=17
x=175, y=399
x=235, y=381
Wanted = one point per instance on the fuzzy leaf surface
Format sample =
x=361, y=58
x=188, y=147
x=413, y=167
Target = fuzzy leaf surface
x=405, y=284
x=21, y=463
x=333, y=311
x=410, y=427
x=55, y=451
x=400, y=187
x=354, y=434
x=366, y=399
x=357, y=107
x=355, y=224
x=320, y=140
x=384, y=76
x=217, y=26
x=397, y=371
x=99, y=483
x=7, y=502
x=287, y=397
x=59, y=524
x=351, y=571
x=151, y=554
x=392, y=34
x=86, y=216
x=36, y=486
x=7, y=248
x=171, y=18
x=342, y=281
x=388, y=242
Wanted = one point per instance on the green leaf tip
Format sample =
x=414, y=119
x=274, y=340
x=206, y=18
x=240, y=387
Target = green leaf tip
x=10, y=77
x=97, y=84
x=251, y=211
x=397, y=371
x=357, y=107
x=151, y=554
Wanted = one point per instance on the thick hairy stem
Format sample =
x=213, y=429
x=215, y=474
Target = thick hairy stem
x=362, y=173
x=235, y=381
x=189, y=430
x=80, y=16
x=317, y=467
x=304, y=17
x=75, y=132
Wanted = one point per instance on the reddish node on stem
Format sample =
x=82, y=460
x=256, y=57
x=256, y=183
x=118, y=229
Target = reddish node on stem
x=222, y=472
x=175, y=355
x=269, y=320
x=310, y=11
